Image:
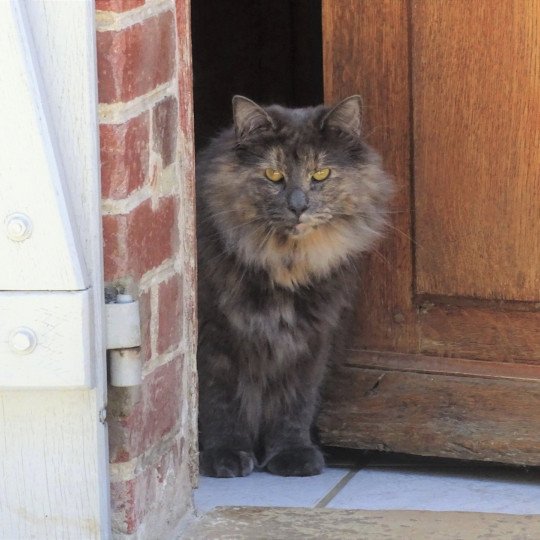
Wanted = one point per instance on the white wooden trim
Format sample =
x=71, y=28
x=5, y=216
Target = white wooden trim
x=49, y=466
x=31, y=172
x=53, y=443
x=61, y=350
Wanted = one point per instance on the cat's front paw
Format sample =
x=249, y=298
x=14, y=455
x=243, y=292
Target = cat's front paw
x=226, y=463
x=297, y=461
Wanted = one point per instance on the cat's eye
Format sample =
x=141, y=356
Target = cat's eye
x=321, y=174
x=273, y=174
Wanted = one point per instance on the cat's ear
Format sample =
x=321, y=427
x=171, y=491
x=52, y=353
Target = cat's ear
x=249, y=117
x=345, y=116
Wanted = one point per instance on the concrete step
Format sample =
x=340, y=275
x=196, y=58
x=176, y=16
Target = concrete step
x=254, y=523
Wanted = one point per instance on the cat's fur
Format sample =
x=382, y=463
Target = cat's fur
x=273, y=287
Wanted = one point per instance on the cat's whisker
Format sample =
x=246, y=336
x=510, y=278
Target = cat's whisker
x=212, y=216
x=221, y=256
x=372, y=132
x=267, y=237
x=393, y=212
x=405, y=235
x=381, y=257
x=240, y=225
x=232, y=229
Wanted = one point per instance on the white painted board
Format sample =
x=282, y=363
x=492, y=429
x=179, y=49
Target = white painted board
x=57, y=323
x=31, y=172
x=48, y=466
x=54, y=480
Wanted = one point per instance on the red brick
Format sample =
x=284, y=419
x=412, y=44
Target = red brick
x=170, y=313
x=151, y=418
x=133, y=499
x=186, y=121
x=124, y=498
x=185, y=76
x=114, y=256
x=135, y=60
x=165, y=129
x=150, y=235
x=146, y=317
x=118, y=5
x=124, y=156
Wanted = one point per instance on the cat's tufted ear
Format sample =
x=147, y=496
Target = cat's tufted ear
x=249, y=117
x=345, y=116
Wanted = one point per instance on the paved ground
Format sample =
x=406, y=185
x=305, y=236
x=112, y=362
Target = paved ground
x=251, y=523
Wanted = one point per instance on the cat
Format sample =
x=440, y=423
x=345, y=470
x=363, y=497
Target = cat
x=287, y=199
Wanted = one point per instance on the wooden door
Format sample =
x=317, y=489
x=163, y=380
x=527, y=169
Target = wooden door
x=446, y=359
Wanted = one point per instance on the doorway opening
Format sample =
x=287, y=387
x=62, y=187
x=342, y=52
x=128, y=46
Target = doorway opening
x=270, y=52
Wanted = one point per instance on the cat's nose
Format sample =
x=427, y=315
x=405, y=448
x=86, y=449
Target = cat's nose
x=298, y=201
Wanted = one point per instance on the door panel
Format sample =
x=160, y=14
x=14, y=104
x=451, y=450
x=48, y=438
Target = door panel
x=365, y=46
x=417, y=413
x=449, y=301
x=476, y=109
x=494, y=332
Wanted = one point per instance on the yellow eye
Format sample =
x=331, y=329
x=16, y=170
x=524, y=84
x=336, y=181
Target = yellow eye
x=273, y=174
x=321, y=174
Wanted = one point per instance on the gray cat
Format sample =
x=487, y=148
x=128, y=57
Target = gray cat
x=287, y=199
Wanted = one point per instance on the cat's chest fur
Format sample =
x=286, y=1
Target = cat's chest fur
x=271, y=326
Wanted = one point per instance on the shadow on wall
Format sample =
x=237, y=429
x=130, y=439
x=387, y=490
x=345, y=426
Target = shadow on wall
x=268, y=51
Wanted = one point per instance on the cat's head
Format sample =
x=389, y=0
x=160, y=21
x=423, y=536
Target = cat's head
x=296, y=191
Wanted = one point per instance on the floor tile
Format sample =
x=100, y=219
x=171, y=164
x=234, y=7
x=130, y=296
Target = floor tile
x=507, y=491
x=263, y=489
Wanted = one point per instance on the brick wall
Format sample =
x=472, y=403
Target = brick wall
x=144, y=78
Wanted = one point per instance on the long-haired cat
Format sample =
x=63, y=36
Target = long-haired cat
x=287, y=199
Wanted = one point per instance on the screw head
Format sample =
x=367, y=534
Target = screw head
x=19, y=227
x=22, y=340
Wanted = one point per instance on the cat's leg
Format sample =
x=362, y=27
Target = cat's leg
x=289, y=450
x=227, y=435
x=227, y=446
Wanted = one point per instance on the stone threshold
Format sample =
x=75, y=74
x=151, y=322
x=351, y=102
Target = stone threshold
x=254, y=523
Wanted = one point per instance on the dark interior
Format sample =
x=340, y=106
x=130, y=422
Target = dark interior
x=267, y=50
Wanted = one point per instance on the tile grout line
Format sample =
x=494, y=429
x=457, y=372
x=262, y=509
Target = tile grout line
x=336, y=489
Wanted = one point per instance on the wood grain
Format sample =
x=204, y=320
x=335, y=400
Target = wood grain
x=51, y=473
x=365, y=52
x=476, y=102
x=479, y=333
x=458, y=417
x=438, y=365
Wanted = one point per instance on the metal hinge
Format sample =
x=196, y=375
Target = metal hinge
x=123, y=323
x=123, y=327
